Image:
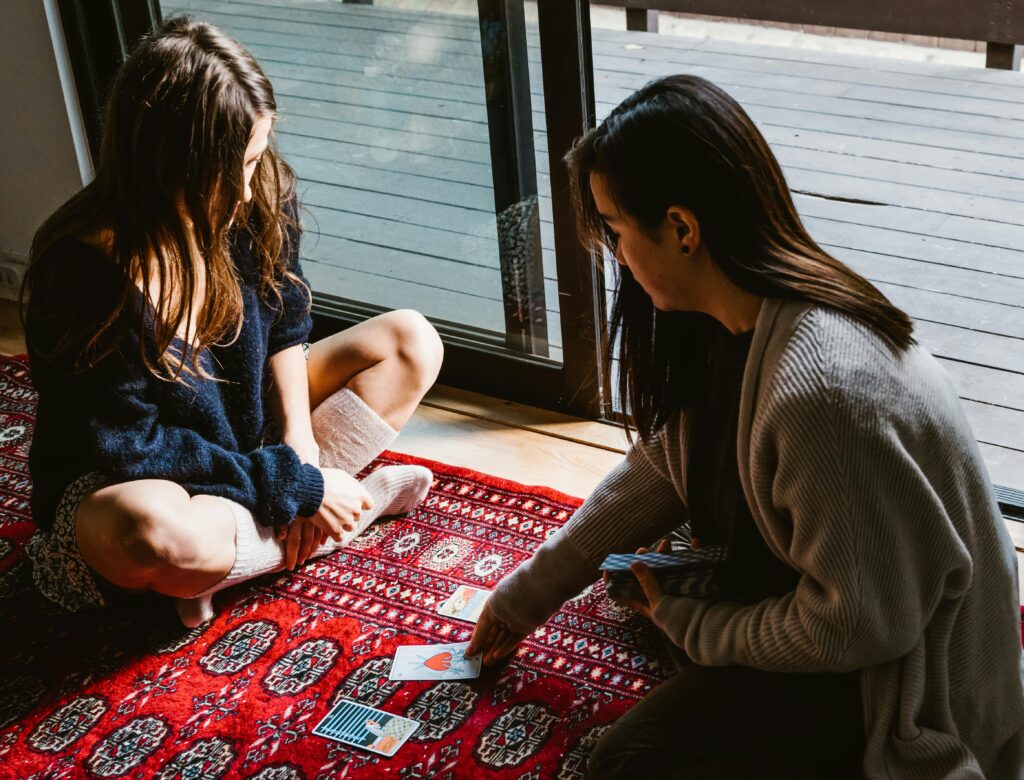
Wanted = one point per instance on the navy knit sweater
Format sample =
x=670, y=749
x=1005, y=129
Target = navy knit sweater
x=115, y=418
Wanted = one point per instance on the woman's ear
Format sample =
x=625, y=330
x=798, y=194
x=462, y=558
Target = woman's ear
x=685, y=229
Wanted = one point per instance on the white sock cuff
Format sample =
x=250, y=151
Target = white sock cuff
x=349, y=432
x=351, y=401
x=247, y=538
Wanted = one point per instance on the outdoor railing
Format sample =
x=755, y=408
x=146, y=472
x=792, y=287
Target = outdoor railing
x=998, y=23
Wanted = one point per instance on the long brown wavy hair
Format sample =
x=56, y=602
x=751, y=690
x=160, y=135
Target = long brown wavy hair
x=168, y=190
x=682, y=141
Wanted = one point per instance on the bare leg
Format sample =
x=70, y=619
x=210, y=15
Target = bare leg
x=151, y=535
x=389, y=361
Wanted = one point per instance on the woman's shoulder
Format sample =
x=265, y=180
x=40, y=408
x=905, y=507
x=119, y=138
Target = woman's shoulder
x=73, y=277
x=824, y=337
x=833, y=359
x=85, y=256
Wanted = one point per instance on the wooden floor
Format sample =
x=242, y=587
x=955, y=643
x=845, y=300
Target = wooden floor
x=912, y=173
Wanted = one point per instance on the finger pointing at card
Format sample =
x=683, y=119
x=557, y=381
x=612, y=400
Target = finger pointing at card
x=492, y=638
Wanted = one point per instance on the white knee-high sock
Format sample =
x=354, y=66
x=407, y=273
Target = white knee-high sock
x=349, y=432
x=395, y=490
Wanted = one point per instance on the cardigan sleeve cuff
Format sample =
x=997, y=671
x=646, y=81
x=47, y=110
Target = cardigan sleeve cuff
x=539, y=587
x=713, y=633
x=675, y=615
x=309, y=490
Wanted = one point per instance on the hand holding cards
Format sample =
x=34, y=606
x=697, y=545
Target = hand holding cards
x=687, y=572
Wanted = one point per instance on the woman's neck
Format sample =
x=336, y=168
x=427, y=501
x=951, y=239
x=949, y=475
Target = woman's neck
x=735, y=308
x=743, y=312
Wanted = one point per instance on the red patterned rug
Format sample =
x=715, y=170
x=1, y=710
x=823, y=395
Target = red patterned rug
x=126, y=692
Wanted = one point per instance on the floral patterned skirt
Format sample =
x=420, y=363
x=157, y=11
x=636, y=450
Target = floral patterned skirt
x=58, y=570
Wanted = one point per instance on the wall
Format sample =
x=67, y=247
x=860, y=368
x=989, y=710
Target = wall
x=39, y=167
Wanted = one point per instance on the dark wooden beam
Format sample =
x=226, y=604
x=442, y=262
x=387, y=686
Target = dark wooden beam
x=1005, y=56
x=473, y=358
x=565, y=50
x=99, y=36
x=996, y=21
x=514, y=172
x=641, y=20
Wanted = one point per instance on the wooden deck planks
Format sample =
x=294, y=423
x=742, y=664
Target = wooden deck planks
x=383, y=119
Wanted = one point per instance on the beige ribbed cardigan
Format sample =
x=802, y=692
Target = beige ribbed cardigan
x=862, y=474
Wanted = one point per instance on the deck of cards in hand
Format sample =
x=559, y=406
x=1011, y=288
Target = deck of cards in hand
x=688, y=572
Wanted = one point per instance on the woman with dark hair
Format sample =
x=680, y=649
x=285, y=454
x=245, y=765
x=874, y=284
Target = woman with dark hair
x=865, y=620
x=188, y=438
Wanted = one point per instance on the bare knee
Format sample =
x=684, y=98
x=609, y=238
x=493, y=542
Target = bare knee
x=147, y=535
x=417, y=345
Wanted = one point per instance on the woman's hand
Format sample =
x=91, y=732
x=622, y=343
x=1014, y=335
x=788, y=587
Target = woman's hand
x=648, y=582
x=492, y=638
x=344, y=501
x=301, y=539
x=297, y=536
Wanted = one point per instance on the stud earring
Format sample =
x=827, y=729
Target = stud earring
x=685, y=249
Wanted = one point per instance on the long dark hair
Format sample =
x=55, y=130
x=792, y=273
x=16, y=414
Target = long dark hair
x=682, y=141
x=168, y=191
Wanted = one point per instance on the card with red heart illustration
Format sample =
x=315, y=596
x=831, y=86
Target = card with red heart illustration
x=435, y=662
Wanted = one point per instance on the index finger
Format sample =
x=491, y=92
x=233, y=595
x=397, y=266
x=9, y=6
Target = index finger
x=508, y=643
x=483, y=635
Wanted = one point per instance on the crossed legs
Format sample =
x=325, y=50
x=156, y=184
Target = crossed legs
x=151, y=535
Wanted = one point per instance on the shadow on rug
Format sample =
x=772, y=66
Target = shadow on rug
x=126, y=692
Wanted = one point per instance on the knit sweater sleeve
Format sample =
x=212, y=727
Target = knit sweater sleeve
x=634, y=505
x=131, y=442
x=854, y=514
x=294, y=321
x=124, y=430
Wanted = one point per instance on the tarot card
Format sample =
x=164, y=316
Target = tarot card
x=465, y=603
x=365, y=727
x=434, y=662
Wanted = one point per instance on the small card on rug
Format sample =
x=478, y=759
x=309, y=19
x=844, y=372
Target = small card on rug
x=352, y=723
x=466, y=603
x=434, y=662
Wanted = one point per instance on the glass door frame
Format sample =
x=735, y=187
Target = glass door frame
x=100, y=33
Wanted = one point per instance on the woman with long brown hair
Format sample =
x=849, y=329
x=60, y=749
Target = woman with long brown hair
x=865, y=618
x=188, y=437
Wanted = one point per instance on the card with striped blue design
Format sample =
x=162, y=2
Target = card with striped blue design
x=352, y=723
